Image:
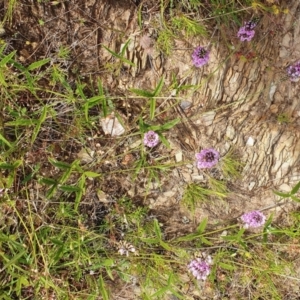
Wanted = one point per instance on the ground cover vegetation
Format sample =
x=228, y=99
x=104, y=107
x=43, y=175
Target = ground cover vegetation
x=84, y=159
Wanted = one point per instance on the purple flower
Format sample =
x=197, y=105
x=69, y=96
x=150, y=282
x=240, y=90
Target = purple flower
x=245, y=34
x=151, y=139
x=293, y=71
x=200, y=57
x=250, y=25
x=200, y=268
x=253, y=219
x=207, y=158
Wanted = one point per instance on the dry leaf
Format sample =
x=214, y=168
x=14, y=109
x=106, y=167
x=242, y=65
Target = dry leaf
x=147, y=44
x=86, y=155
x=112, y=126
x=128, y=159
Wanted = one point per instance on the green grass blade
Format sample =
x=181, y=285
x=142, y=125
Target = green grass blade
x=103, y=290
x=152, y=108
x=295, y=188
x=7, y=58
x=123, y=59
x=5, y=141
x=39, y=124
x=142, y=93
x=159, y=87
x=38, y=64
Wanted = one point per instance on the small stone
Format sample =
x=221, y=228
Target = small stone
x=185, y=105
x=169, y=194
x=230, y=132
x=190, y=166
x=250, y=142
x=251, y=185
x=285, y=188
x=274, y=108
x=178, y=156
x=135, y=144
x=272, y=91
x=197, y=177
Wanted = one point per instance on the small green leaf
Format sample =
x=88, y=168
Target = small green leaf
x=142, y=93
x=91, y=174
x=22, y=122
x=59, y=164
x=205, y=241
x=48, y=181
x=69, y=188
x=164, y=140
x=38, y=64
x=6, y=166
x=152, y=108
x=226, y=266
x=202, y=226
x=21, y=282
x=149, y=241
x=284, y=195
x=169, y=125
x=295, y=188
x=102, y=288
x=157, y=229
x=295, y=198
x=39, y=124
x=80, y=193
x=165, y=245
x=158, y=88
x=5, y=141
x=123, y=59
x=7, y=58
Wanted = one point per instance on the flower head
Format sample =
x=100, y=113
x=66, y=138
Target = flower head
x=151, y=139
x=200, y=57
x=207, y=158
x=245, y=34
x=293, y=71
x=125, y=248
x=200, y=268
x=250, y=25
x=253, y=219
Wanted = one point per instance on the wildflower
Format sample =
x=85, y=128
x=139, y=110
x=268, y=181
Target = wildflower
x=151, y=139
x=126, y=248
x=200, y=267
x=253, y=219
x=250, y=25
x=200, y=57
x=207, y=158
x=245, y=34
x=293, y=71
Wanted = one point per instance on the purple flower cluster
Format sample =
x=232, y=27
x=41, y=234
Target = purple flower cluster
x=151, y=139
x=246, y=33
x=200, y=57
x=253, y=219
x=293, y=71
x=200, y=268
x=207, y=158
